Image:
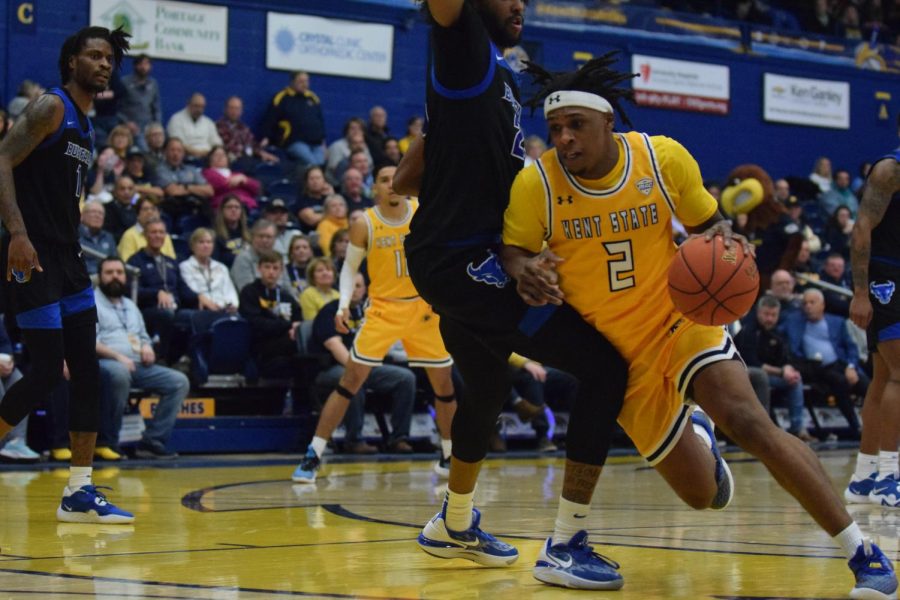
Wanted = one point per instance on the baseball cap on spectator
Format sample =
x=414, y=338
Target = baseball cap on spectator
x=792, y=201
x=276, y=205
x=133, y=151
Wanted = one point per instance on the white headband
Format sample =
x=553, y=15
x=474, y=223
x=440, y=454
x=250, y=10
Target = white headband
x=570, y=98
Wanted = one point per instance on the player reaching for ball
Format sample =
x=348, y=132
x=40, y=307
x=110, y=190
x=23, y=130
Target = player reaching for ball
x=603, y=203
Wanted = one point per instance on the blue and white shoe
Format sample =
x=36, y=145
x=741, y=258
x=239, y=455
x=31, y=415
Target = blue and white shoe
x=875, y=578
x=724, y=480
x=886, y=492
x=472, y=544
x=88, y=505
x=309, y=465
x=858, y=490
x=442, y=467
x=576, y=565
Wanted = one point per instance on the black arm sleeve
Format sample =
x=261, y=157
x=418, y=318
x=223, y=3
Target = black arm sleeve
x=461, y=52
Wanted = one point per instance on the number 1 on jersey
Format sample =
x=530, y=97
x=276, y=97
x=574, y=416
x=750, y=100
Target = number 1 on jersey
x=400, y=261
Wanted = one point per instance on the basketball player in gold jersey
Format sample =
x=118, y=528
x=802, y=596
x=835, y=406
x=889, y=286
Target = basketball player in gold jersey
x=603, y=203
x=395, y=312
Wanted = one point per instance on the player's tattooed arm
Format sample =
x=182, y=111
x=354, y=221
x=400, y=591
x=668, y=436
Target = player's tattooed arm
x=883, y=183
x=37, y=121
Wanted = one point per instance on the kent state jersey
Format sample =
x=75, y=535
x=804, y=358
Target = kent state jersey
x=386, y=258
x=615, y=233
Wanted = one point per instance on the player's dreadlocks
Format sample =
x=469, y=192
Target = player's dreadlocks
x=74, y=44
x=594, y=77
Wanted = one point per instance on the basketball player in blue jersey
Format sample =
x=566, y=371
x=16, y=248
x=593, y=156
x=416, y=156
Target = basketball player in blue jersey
x=43, y=166
x=875, y=258
x=473, y=149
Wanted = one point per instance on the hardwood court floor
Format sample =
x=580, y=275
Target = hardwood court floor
x=248, y=533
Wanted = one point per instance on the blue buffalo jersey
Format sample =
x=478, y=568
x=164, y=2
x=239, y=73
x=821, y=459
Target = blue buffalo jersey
x=50, y=181
x=886, y=237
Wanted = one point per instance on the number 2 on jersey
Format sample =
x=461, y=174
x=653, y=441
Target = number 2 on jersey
x=620, y=265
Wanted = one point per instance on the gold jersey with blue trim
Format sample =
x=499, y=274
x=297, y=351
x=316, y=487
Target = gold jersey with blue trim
x=386, y=257
x=615, y=233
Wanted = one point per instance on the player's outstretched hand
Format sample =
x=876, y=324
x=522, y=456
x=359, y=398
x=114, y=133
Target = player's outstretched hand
x=22, y=256
x=538, y=283
x=723, y=228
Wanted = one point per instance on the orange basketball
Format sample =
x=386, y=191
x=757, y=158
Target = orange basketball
x=710, y=284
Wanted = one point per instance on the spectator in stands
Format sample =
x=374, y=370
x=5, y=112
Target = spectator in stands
x=271, y=310
x=762, y=347
x=206, y=277
x=795, y=212
x=320, y=275
x=391, y=151
x=827, y=354
x=133, y=240
x=413, y=130
x=339, y=150
x=534, y=148
x=840, y=194
x=782, y=288
x=28, y=90
x=232, y=233
x=377, y=133
x=121, y=213
x=533, y=385
x=140, y=105
x=238, y=139
x=334, y=217
x=155, y=138
x=820, y=19
x=186, y=189
x=352, y=192
x=337, y=248
x=782, y=190
x=356, y=143
x=838, y=230
x=110, y=163
x=277, y=212
x=141, y=175
x=805, y=266
x=752, y=11
x=821, y=175
x=315, y=190
x=359, y=162
x=13, y=447
x=244, y=269
x=166, y=302
x=834, y=272
x=294, y=121
x=226, y=182
x=299, y=254
x=195, y=130
x=106, y=104
x=93, y=236
x=393, y=381
x=849, y=26
x=127, y=360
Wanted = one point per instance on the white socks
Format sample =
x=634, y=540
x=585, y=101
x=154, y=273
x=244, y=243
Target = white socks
x=866, y=464
x=79, y=477
x=459, y=510
x=318, y=444
x=446, y=448
x=570, y=519
x=849, y=539
x=887, y=464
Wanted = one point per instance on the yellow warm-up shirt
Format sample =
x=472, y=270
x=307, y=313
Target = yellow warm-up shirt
x=385, y=256
x=614, y=233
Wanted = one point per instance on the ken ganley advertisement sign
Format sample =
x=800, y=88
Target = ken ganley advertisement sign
x=329, y=46
x=681, y=84
x=173, y=30
x=799, y=101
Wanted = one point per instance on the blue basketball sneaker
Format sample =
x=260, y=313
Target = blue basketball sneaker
x=858, y=490
x=886, y=492
x=309, y=465
x=473, y=543
x=576, y=565
x=88, y=505
x=724, y=480
x=875, y=578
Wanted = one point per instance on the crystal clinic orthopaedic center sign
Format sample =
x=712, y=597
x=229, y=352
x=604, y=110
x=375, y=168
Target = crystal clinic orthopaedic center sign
x=329, y=46
x=172, y=30
x=798, y=101
x=681, y=84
